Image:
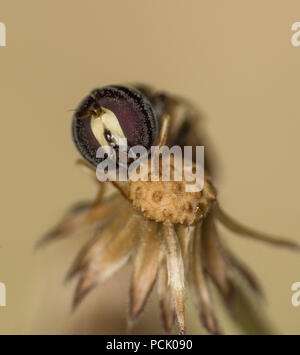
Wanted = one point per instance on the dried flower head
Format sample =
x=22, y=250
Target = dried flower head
x=170, y=234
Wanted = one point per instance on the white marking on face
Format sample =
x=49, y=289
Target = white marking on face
x=105, y=122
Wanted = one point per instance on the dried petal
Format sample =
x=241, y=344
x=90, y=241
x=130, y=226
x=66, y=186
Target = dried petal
x=165, y=297
x=245, y=272
x=144, y=268
x=98, y=244
x=185, y=236
x=81, y=218
x=238, y=228
x=175, y=274
x=200, y=288
x=214, y=258
x=104, y=264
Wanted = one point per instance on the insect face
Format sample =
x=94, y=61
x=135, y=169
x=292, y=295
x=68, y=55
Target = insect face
x=108, y=116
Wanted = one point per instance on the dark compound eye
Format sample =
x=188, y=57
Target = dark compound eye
x=109, y=115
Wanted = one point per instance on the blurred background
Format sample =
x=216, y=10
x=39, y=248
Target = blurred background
x=232, y=59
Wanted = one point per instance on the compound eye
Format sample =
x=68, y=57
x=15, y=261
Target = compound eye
x=108, y=116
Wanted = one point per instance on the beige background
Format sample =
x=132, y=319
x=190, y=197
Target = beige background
x=232, y=58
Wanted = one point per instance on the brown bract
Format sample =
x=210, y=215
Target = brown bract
x=166, y=248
